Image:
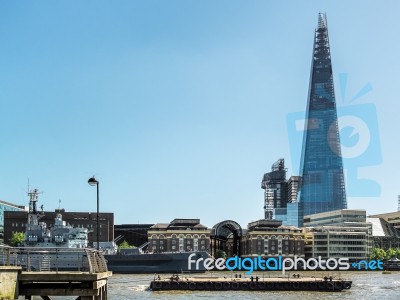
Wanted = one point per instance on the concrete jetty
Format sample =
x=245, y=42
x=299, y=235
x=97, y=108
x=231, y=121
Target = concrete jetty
x=39, y=272
x=9, y=282
x=83, y=285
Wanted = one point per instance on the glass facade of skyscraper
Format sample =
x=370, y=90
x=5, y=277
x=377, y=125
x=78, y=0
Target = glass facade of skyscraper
x=322, y=187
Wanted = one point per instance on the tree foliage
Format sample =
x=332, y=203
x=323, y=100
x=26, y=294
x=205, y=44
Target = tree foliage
x=221, y=254
x=390, y=253
x=378, y=253
x=381, y=254
x=17, y=239
x=125, y=245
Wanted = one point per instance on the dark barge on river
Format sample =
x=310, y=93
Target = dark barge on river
x=296, y=283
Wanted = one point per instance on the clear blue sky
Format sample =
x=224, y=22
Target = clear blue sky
x=179, y=107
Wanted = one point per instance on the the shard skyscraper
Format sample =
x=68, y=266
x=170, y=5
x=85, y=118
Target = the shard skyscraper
x=322, y=188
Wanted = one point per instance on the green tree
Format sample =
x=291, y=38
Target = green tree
x=17, y=239
x=125, y=245
x=398, y=253
x=221, y=254
x=390, y=253
x=378, y=253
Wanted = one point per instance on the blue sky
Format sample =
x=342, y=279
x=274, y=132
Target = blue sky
x=180, y=107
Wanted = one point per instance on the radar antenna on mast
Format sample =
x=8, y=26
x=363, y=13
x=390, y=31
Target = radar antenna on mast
x=34, y=215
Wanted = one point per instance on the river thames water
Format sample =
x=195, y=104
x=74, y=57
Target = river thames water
x=366, y=285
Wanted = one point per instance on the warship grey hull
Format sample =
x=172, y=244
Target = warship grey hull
x=153, y=263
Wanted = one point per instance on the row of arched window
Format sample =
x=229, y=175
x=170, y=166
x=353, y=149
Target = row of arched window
x=180, y=236
x=286, y=237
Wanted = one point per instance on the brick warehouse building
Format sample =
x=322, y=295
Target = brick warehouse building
x=15, y=221
x=179, y=235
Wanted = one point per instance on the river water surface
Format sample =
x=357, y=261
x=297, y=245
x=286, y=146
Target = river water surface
x=366, y=285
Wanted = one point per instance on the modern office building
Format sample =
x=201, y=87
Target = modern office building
x=7, y=206
x=275, y=188
x=179, y=236
x=384, y=234
x=321, y=168
x=339, y=233
x=393, y=218
x=352, y=242
x=336, y=217
x=269, y=238
x=293, y=188
x=280, y=196
x=15, y=221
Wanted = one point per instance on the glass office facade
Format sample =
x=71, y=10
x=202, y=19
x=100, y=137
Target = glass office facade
x=291, y=215
x=322, y=187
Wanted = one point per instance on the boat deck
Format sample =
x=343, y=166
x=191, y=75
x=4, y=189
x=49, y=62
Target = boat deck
x=252, y=284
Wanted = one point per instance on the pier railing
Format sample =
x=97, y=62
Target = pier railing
x=54, y=259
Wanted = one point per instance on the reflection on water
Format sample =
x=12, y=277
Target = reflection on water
x=366, y=285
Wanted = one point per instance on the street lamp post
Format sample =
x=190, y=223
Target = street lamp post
x=93, y=182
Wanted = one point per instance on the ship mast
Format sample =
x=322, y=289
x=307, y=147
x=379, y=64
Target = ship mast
x=33, y=215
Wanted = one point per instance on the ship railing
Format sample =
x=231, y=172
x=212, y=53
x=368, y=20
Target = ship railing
x=54, y=259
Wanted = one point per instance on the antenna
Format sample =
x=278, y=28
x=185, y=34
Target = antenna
x=59, y=204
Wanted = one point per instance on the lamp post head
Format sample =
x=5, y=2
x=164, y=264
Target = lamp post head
x=92, y=181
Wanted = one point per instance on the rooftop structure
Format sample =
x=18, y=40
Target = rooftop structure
x=336, y=217
x=384, y=234
x=392, y=218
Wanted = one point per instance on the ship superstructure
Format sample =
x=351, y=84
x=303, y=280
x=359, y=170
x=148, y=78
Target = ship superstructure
x=60, y=234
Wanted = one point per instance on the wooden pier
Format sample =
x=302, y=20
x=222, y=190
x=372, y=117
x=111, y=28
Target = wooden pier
x=82, y=285
x=46, y=272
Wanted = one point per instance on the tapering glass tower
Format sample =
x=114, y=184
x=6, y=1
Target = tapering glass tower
x=322, y=187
